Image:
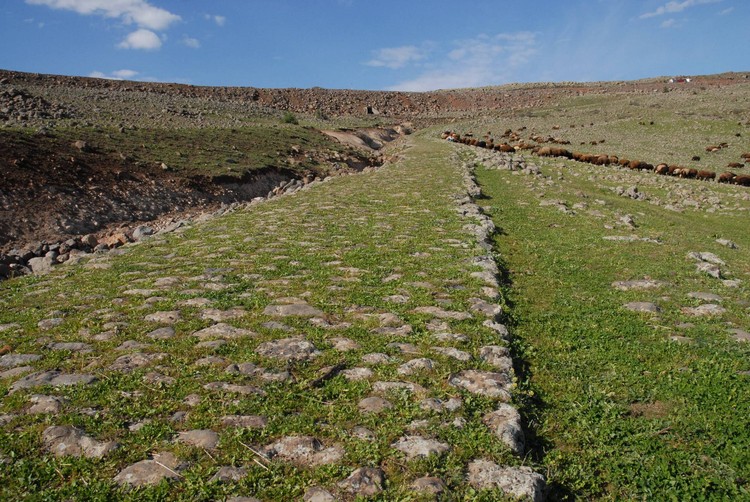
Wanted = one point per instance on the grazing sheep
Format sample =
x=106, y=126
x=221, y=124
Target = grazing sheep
x=505, y=147
x=742, y=179
x=674, y=170
x=726, y=177
x=734, y=165
x=745, y=156
x=624, y=162
x=705, y=175
x=662, y=169
x=688, y=173
x=696, y=158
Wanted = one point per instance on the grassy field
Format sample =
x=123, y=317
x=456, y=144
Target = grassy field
x=625, y=405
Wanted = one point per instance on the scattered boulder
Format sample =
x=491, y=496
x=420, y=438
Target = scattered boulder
x=520, y=482
x=67, y=440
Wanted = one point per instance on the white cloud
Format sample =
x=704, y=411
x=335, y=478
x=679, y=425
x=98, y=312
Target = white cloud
x=219, y=20
x=669, y=23
x=193, y=43
x=675, y=7
x=396, y=57
x=141, y=39
x=726, y=11
x=138, y=12
x=115, y=75
x=483, y=60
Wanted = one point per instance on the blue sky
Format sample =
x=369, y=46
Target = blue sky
x=374, y=44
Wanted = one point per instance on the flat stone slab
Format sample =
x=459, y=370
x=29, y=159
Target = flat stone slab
x=521, y=482
x=418, y=365
x=201, y=438
x=67, y=440
x=374, y=404
x=47, y=324
x=483, y=383
x=384, y=387
x=245, y=421
x=417, y=446
x=45, y=405
x=429, y=484
x=647, y=307
x=164, y=317
x=288, y=349
x=344, y=344
x=56, y=378
x=710, y=269
x=704, y=310
x=453, y=352
x=638, y=284
x=442, y=314
x=740, y=335
x=235, y=388
x=224, y=331
x=71, y=346
x=505, y=423
x=707, y=297
x=293, y=309
x=706, y=257
x=13, y=360
x=304, y=451
x=163, y=466
x=129, y=362
x=228, y=474
x=365, y=481
x=222, y=315
x=496, y=356
x=318, y=494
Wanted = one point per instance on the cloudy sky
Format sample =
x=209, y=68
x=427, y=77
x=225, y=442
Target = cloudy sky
x=413, y=45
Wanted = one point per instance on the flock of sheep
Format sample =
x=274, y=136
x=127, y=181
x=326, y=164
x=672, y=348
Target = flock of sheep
x=599, y=159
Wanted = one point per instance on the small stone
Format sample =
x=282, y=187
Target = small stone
x=453, y=352
x=505, y=423
x=165, y=317
x=638, y=284
x=129, y=362
x=234, y=388
x=304, y=451
x=376, y=358
x=295, y=309
x=416, y=365
x=47, y=324
x=521, y=482
x=13, y=360
x=365, y=481
x=708, y=297
x=222, y=315
x=54, y=377
x=45, y=405
x=709, y=269
x=442, y=314
x=682, y=339
x=431, y=485
x=132, y=345
x=374, y=404
x=151, y=472
x=704, y=310
x=363, y=433
x=484, y=383
x=67, y=440
x=706, y=257
x=288, y=349
x=491, y=310
x=344, y=344
x=385, y=387
x=727, y=243
x=245, y=421
x=318, y=494
x=202, y=438
x=740, y=335
x=356, y=374
x=222, y=330
x=647, y=307
x=81, y=347
x=228, y=474
x=416, y=446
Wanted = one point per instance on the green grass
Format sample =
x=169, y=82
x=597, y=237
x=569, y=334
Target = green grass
x=619, y=411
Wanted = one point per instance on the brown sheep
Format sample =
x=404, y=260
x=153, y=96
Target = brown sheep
x=712, y=148
x=505, y=147
x=624, y=162
x=674, y=170
x=662, y=169
x=726, y=177
x=696, y=158
x=705, y=175
x=745, y=156
x=481, y=144
x=688, y=173
x=734, y=165
x=544, y=151
x=742, y=179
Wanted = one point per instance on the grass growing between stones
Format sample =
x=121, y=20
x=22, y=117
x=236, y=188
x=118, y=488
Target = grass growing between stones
x=365, y=251
x=626, y=405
